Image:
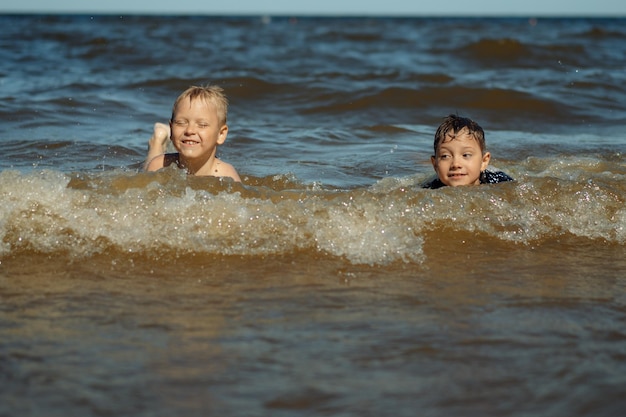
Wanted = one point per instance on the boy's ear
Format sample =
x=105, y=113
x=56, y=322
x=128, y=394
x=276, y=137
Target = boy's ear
x=433, y=161
x=222, y=135
x=485, y=163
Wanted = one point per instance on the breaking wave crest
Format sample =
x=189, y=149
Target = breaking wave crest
x=169, y=214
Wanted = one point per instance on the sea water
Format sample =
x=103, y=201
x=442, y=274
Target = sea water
x=328, y=282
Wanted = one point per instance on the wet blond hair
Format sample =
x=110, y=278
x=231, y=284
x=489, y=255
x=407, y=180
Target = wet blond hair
x=454, y=124
x=210, y=94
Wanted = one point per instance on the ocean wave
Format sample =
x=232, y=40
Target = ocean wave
x=504, y=106
x=515, y=53
x=168, y=214
x=599, y=33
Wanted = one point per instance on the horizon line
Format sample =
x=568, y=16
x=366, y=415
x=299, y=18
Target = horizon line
x=311, y=15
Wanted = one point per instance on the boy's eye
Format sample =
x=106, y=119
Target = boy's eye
x=180, y=122
x=203, y=125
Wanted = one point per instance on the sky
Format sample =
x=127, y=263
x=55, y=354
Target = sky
x=535, y=8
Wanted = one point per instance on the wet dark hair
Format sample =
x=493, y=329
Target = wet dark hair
x=453, y=124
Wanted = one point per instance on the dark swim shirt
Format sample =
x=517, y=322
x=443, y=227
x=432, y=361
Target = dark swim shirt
x=486, y=177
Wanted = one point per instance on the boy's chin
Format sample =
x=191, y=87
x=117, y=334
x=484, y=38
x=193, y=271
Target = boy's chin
x=459, y=182
x=188, y=151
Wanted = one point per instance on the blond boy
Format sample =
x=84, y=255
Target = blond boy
x=197, y=127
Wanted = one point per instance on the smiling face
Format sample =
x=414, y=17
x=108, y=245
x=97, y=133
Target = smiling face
x=196, y=131
x=459, y=159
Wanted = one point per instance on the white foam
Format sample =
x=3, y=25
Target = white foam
x=50, y=212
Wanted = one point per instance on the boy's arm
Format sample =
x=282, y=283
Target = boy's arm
x=157, y=143
x=155, y=163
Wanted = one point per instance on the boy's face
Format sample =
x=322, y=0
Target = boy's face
x=459, y=160
x=195, y=129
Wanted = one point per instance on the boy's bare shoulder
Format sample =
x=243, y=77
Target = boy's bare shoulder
x=224, y=169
